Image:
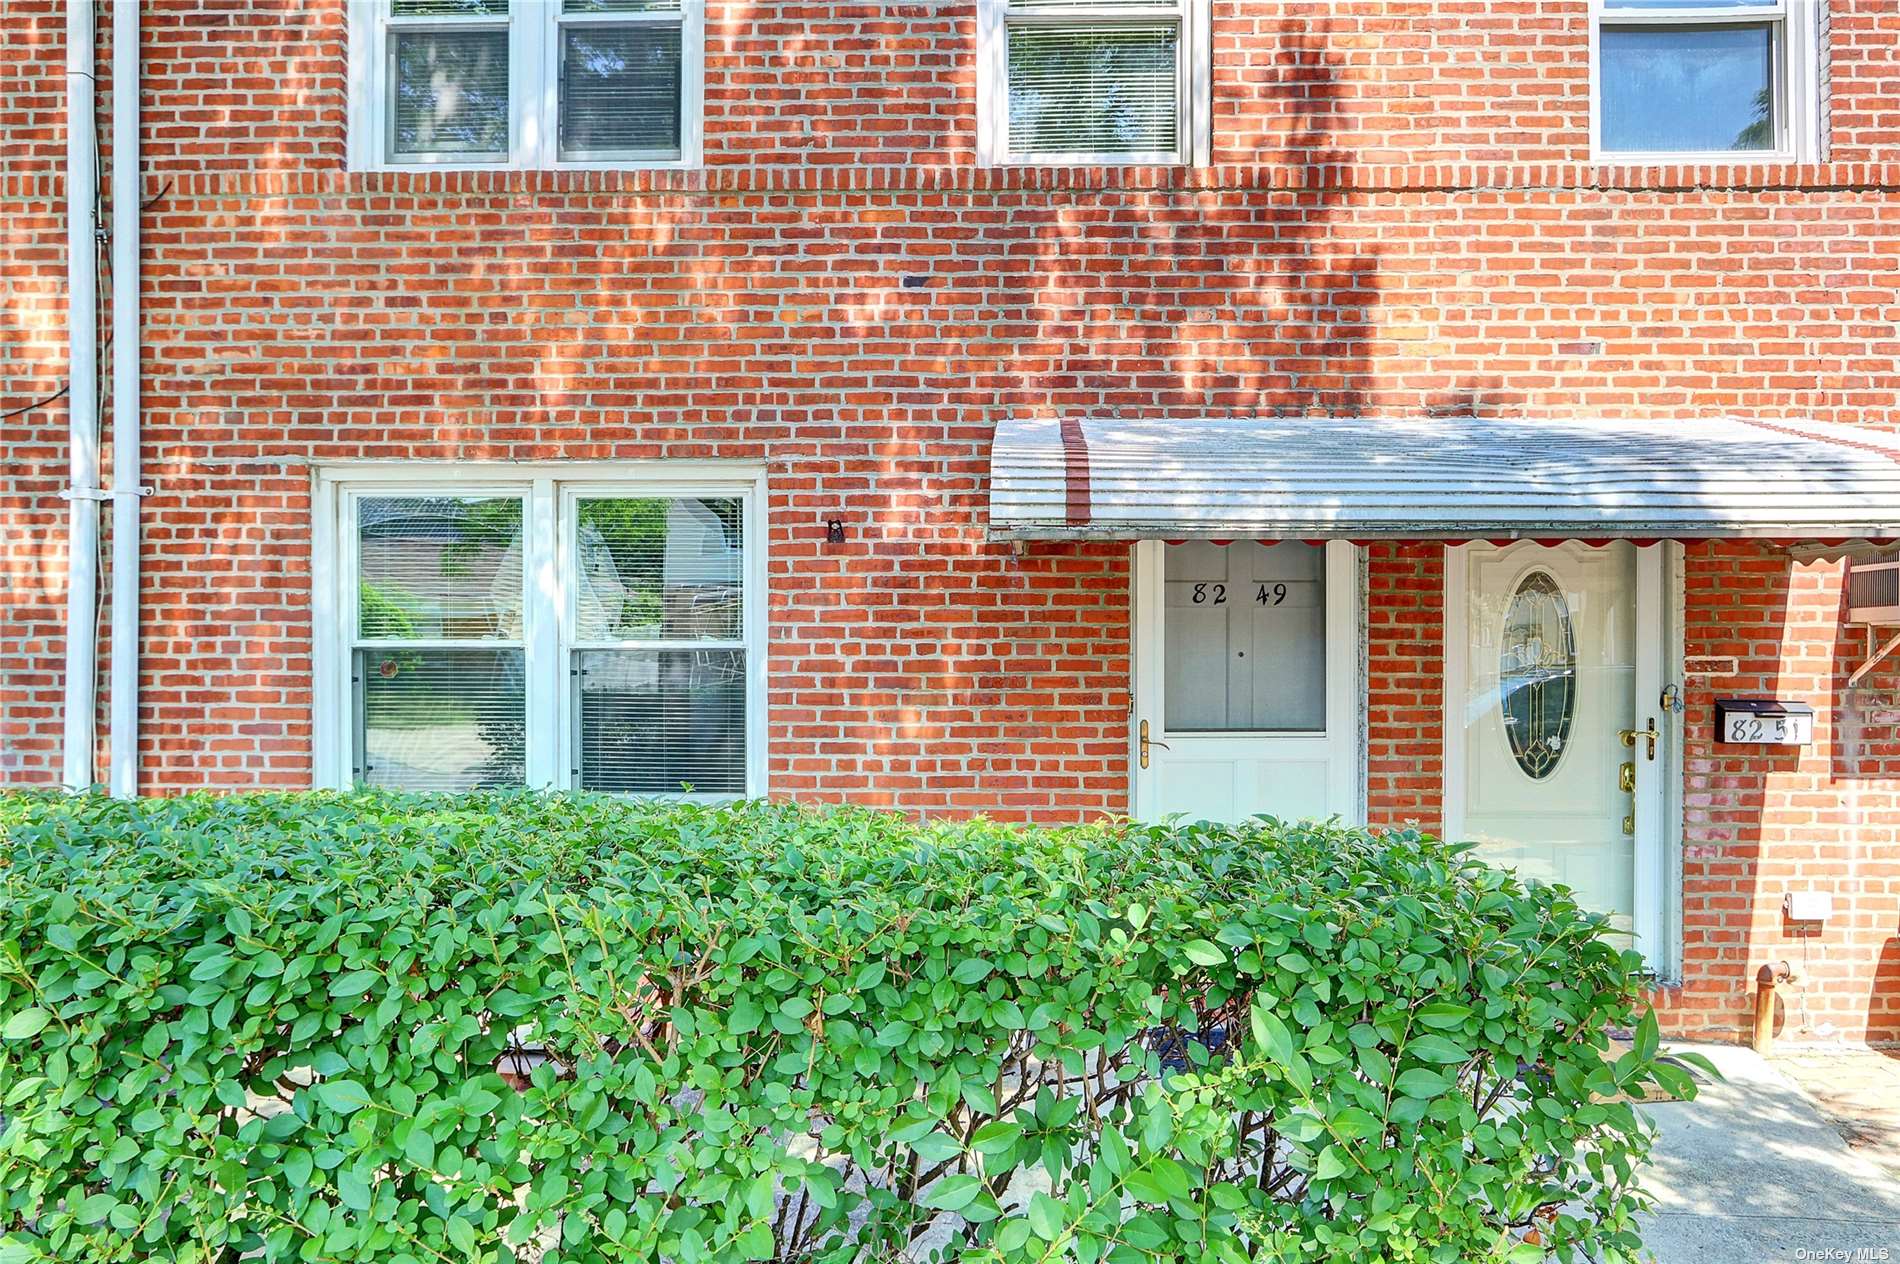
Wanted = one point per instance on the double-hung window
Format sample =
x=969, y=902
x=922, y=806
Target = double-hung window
x=1093, y=81
x=526, y=83
x=1709, y=80
x=598, y=634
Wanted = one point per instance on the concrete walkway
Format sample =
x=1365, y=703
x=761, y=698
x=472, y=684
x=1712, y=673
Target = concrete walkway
x=1750, y=1171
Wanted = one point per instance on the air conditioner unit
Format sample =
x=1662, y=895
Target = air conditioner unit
x=1873, y=592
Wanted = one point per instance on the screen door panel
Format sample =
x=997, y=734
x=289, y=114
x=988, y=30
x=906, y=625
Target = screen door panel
x=1245, y=631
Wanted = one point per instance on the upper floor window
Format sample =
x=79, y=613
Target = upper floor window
x=1730, y=80
x=526, y=83
x=1092, y=81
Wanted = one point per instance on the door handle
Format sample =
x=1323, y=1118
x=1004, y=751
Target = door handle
x=1146, y=743
x=1650, y=735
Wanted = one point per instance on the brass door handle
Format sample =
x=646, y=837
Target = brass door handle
x=1146, y=743
x=1626, y=777
x=1651, y=733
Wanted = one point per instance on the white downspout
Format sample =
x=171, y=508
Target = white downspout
x=126, y=472
x=82, y=399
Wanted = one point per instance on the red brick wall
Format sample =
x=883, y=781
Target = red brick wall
x=1402, y=221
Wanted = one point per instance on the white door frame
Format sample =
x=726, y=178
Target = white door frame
x=1343, y=742
x=1658, y=662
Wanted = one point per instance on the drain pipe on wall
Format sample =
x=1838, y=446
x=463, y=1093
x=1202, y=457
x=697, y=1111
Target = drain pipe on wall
x=126, y=468
x=82, y=400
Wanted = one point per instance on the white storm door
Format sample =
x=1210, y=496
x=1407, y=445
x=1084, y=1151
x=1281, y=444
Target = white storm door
x=1246, y=681
x=1554, y=659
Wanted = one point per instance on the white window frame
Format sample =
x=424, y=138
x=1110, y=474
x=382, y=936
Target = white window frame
x=534, y=88
x=1796, y=79
x=1194, y=89
x=548, y=491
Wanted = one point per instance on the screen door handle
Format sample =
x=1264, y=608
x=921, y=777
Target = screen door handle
x=1651, y=733
x=1146, y=743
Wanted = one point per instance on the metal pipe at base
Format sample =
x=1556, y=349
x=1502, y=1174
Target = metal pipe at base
x=1765, y=980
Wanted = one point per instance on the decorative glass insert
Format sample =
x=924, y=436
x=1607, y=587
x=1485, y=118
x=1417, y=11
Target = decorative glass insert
x=1537, y=675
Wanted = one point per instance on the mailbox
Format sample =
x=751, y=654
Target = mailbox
x=1763, y=722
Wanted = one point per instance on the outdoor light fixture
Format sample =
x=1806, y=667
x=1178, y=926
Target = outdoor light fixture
x=834, y=531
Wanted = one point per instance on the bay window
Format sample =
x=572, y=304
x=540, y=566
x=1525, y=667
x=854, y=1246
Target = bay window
x=1093, y=81
x=526, y=83
x=1733, y=80
x=598, y=634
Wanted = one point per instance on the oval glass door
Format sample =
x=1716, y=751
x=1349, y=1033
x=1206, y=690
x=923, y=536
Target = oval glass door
x=1550, y=660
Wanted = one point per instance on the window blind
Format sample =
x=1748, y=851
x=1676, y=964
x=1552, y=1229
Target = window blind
x=620, y=89
x=440, y=719
x=450, y=91
x=1094, y=88
x=661, y=717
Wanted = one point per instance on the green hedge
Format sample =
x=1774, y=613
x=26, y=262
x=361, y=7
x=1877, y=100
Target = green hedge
x=273, y=1028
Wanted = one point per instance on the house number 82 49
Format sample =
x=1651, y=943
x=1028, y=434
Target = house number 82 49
x=1212, y=594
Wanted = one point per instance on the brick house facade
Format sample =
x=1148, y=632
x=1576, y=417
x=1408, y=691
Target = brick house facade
x=1399, y=216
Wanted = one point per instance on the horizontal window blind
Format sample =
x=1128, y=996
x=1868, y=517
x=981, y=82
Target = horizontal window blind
x=449, y=91
x=438, y=568
x=1094, y=88
x=450, y=8
x=440, y=719
x=661, y=721
x=626, y=666
x=620, y=89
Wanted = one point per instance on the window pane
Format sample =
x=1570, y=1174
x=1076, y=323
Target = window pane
x=661, y=721
x=1688, y=89
x=620, y=6
x=1637, y=6
x=440, y=719
x=448, y=8
x=451, y=92
x=438, y=568
x=620, y=88
x=1245, y=637
x=657, y=569
x=1093, y=89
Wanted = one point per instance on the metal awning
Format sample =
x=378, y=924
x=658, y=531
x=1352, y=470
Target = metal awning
x=1100, y=478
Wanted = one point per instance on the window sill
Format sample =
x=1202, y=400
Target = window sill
x=1671, y=158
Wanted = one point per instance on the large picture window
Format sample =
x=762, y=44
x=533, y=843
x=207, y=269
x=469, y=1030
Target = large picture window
x=1101, y=81
x=599, y=635
x=1705, y=79
x=526, y=83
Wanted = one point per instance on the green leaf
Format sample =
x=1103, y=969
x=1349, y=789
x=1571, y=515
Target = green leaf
x=342, y=1096
x=953, y=1192
x=1272, y=1035
x=353, y=1190
x=1420, y=1083
x=1046, y=1216
x=971, y=970
x=1203, y=953
x=935, y=1147
x=1331, y=1164
x=26, y=1024
x=461, y=1233
x=355, y=983
x=1430, y=1048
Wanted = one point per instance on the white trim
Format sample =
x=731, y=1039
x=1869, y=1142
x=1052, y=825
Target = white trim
x=534, y=51
x=1797, y=87
x=1658, y=809
x=1193, y=90
x=1343, y=740
x=547, y=489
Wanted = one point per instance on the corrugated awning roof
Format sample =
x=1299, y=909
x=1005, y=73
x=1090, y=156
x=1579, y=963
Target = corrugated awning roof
x=1445, y=478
